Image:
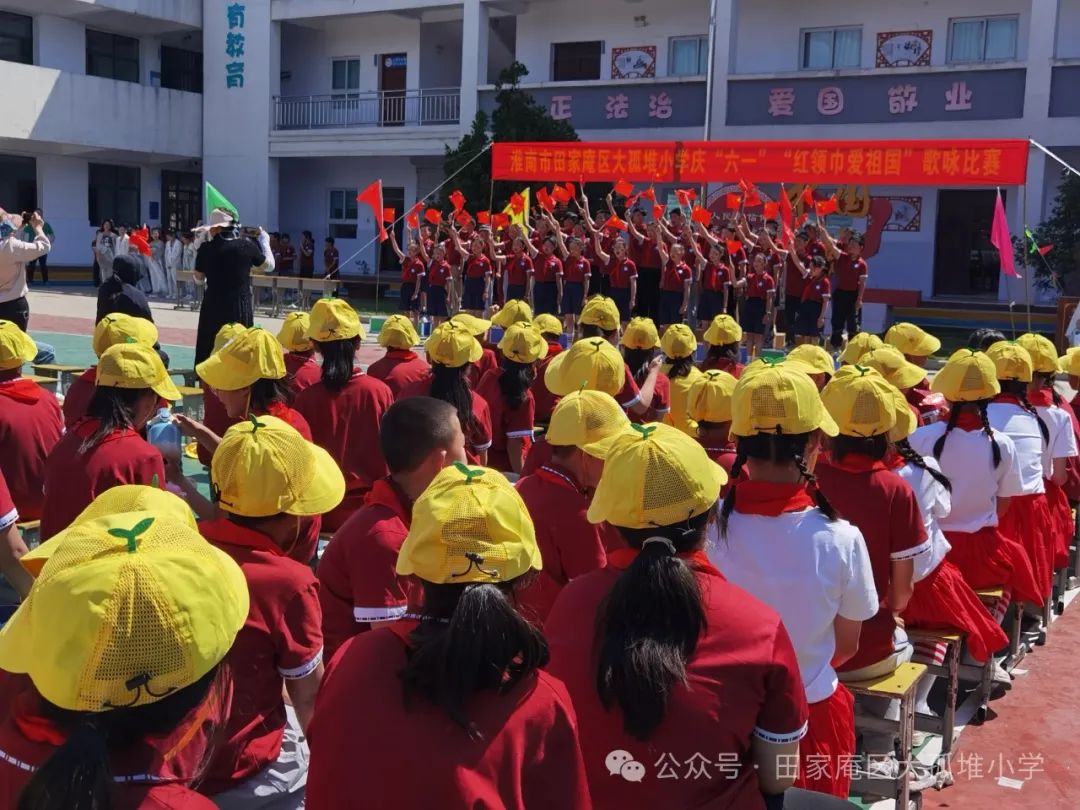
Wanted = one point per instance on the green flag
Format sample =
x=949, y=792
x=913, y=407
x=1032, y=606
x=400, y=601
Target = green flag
x=215, y=199
x=1034, y=246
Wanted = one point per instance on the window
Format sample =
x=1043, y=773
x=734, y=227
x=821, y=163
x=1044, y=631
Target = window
x=345, y=76
x=983, y=39
x=114, y=194
x=831, y=48
x=181, y=193
x=688, y=56
x=575, y=61
x=112, y=56
x=16, y=38
x=181, y=70
x=343, y=213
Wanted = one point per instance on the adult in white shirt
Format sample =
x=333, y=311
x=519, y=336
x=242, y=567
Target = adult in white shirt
x=14, y=254
x=174, y=260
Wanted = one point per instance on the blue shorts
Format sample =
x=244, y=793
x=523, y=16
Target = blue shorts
x=709, y=305
x=753, y=312
x=436, y=302
x=545, y=298
x=407, y=303
x=473, y=297
x=515, y=292
x=670, y=304
x=806, y=322
x=573, y=298
x=621, y=297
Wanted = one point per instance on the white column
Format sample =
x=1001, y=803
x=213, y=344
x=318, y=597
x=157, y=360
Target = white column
x=724, y=44
x=62, y=195
x=60, y=43
x=474, y=54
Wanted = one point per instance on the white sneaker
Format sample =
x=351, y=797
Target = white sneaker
x=1000, y=675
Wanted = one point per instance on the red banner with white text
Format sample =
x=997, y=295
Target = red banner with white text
x=897, y=163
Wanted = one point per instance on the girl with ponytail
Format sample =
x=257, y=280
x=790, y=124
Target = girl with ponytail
x=661, y=653
x=984, y=470
x=459, y=674
x=640, y=344
x=779, y=538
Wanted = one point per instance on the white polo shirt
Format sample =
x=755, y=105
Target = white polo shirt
x=1062, y=442
x=1023, y=428
x=935, y=503
x=14, y=254
x=809, y=570
x=968, y=462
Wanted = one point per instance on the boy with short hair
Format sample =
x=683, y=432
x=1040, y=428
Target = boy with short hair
x=331, y=258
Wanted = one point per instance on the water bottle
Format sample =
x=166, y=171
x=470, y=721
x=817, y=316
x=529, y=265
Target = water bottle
x=425, y=326
x=163, y=434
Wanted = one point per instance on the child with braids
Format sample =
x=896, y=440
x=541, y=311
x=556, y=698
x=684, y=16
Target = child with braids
x=780, y=539
x=640, y=344
x=709, y=406
x=679, y=346
x=984, y=470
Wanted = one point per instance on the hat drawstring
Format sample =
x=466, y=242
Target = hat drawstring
x=475, y=560
x=662, y=541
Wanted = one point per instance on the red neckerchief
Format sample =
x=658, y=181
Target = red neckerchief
x=858, y=463
x=894, y=461
x=226, y=532
x=561, y=477
x=771, y=499
x=1042, y=398
x=623, y=558
x=553, y=349
x=21, y=390
x=401, y=354
x=386, y=492
x=1008, y=399
x=969, y=420
x=33, y=726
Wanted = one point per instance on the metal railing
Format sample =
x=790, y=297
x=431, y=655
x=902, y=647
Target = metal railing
x=384, y=108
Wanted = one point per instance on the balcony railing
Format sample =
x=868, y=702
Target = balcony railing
x=384, y=108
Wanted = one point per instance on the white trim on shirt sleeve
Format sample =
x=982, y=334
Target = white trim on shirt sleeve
x=780, y=739
x=480, y=448
x=662, y=410
x=628, y=405
x=914, y=551
x=520, y=434
x=10, y=519
x=302, y=671
x=379, y=614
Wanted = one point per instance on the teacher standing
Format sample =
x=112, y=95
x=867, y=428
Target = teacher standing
x=225, y=261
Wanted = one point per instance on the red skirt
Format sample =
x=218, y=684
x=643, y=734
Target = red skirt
x=944, y=601
x=1061, y=515
x=989, y=559
x=1030, y=524
x=826, y=753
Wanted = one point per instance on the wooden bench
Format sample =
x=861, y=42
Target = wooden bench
x=30, y=531
x=184, y=279
x=265, y=283
x=949, y=669
x=1017, y=651
x=192, y=401
x=52, y=383
x=288, y=284
x=320, y=287
x=191, y=379
x=899, y=685
x=65, y=374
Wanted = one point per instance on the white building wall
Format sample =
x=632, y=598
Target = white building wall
x=60, y=43
x=1068, y=30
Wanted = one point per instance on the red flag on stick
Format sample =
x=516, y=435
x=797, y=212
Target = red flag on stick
x=787, y=238
x=517, y=203
x=1002, y=239
x=140, y=240
x=372, y=195
x=433, y=215
x=389, y=214
x=808, y=197
x=624, y=188
x=658, y=211
x=733, y=246
x=500, y=220
x=772, y=210
x=458, y=200
x=702, y=215
x=685, y=196
x=732, y=202
x=483, y=217
x=561, y=195
x=825, y=207
x=649, y=194
x=801, y=220
x=412, y=219
x=547, y=202
x=615, y=222
x=462, y=218
x=752, y=198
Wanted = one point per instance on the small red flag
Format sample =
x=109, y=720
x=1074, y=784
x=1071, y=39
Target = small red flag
x=483, y=217
x=1045, y=249
x=615, y=222
x=412, y=219
x=372, y=195
x=745, y=186
x=733, y=247
x=752, y=199
x=732, y=201
x=702, y=215
x=517, y=203
x=433, y=215
x=787, y=238
x=500, y=220
x=808, y=197
x=561, y=195
x=801, y=220
x=570, y=189
x=771, y=210
x=547, y=202
x=658, y=211
x=624, y=188
x=825, y=207
x=649, y=194
x=462, y=218
x=458, y=200
x=140, y=240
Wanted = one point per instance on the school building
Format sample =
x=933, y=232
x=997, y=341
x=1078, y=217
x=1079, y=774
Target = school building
x=303, y=102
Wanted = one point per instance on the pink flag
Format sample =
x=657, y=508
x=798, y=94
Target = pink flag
x=1002, y=240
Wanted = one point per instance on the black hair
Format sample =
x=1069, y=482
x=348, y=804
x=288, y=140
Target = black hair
x=114, y=408
x=473, y=640
x=721, y=351
x=265, y=392
x=818, y=261
x=873, y=446
x=680, y=367
x=638, y=361
x=954, y=415
x=915, y=459
x=338, y=361
x=515, y=381
x=449, y=385
x=983, y=339
x=307, y=234
x=777, y=448
x=1045, y=379
x=857, y=238
x=78, y=775
x=648, y=626
x=1019, y=389
x=330, y=240
x=412, y=429
x=591, y=330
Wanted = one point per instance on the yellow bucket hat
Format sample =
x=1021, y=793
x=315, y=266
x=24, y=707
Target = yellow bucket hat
x=601, y=312
x=513, y=311
x=710, y=397
x=398, y=333
x=722, y=331
x=133, y=365
x=227, y=333
x=523, y=343
x=640, y=334
x=1011, y=361
x=1069, y=363
x=334, y=319
x=293, y=335
x=451, y=344
x=859, y=345
x=583, y=418
x=263, y=467
x=252, y=355
x=470, y=525
x=1044, y=356
x=894, y=367
x=471, y=324
x=655, y=475
x=778, y=397
x=911, y=340
x=548, y=324
x=127, y=609
x=678, y=342
x=16, y=347
x=967, y=376
x=118, y=327
x=591, y=363
x=815, y=358
x=861, y=401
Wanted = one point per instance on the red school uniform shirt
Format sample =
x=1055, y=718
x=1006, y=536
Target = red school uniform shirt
x=548, y=268
x=358, y=582
x=439, y=273
x=794, y=282
x=816, y=289
x=489, y=361
x=714, y=277
x=622, y=273
x=399, y=368
x=78, y=395
x=478, y=434
x=302, y=370
x=528, y=755
x=644, y=253
x=759, y=285
x=519, y=270
x=575, y=271
x=346, y=425
x=287, y=261
x=661, y=402
x=74, y=479
x=675, y=276
x=543, y=399
x=30, y=427
x=732, y=367
x=847, y=272
x=412, y=270
x=9, y=514
x=742, y=681
x=506, y=422
x=281, y=640
x=331, y=257
x=478, y=267
x=881, y=505
x=569, y=544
